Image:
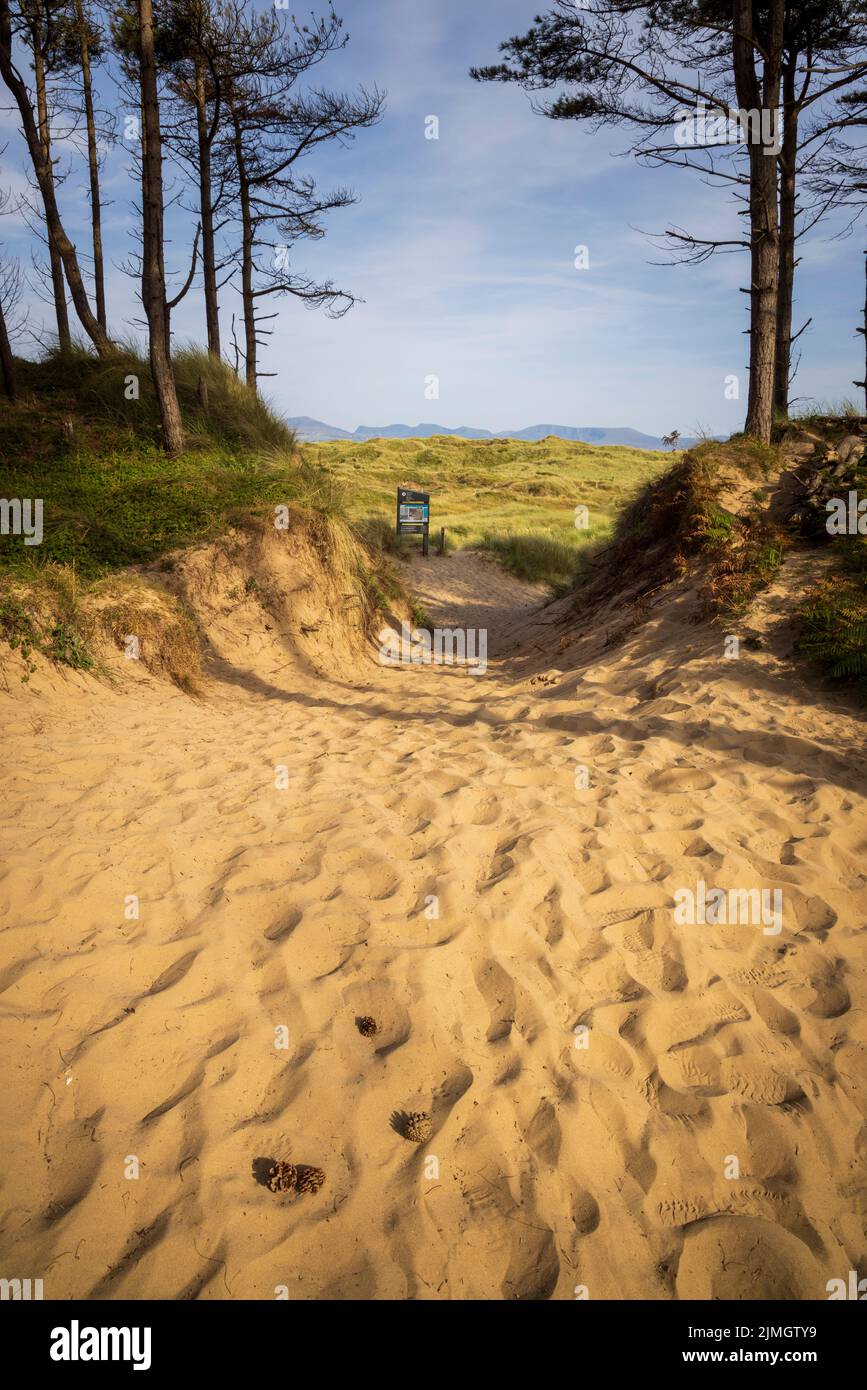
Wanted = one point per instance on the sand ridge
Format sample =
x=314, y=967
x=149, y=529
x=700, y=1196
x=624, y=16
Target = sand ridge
x=621, y=1106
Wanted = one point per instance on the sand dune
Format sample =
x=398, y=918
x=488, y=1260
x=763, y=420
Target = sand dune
x=620, y=1105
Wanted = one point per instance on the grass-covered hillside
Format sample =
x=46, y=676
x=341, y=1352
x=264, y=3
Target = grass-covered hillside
x=516, y=499
x=84, y=438
x=80, y=439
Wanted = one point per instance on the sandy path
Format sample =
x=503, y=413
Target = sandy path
x=470, y=589
x=430, y=862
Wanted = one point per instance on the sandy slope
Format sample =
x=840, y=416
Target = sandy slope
x=606, y=1166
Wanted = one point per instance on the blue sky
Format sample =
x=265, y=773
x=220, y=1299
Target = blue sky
x=463, y=251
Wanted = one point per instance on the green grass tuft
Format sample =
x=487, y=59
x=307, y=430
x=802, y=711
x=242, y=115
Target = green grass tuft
x=536, y=558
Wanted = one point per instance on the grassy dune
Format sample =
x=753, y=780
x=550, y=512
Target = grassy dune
x=111, y=496
x=85, y=444
x=516, y=499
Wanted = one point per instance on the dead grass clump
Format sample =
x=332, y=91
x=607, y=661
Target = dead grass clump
x=149, y=625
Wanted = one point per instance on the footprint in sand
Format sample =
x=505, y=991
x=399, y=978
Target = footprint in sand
x=681, y=779
x=692, y=1068
x=79, y=1161
x=738, y=1257
x=814, y=985
x=508, y=1005
x=774, y=1015
x=284, y=925
x=585, y=1212
x=758, y=1081
x=497, y=988
x=543, y=1134
x=534, y=1266
x=850, y=1061
x=604, y=1057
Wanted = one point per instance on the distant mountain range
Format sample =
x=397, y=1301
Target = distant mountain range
x=312, y=431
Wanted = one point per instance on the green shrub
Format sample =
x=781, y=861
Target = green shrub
x=833, y=631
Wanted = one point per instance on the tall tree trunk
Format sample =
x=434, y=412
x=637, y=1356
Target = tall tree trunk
x=863, y=331
x=209, y=262
x=7, y=362
x=153, y=211
x=92, y=163
x=58, y=286
x=763, y=209
x=247, y=297
x=13, y=80
x=786, y=273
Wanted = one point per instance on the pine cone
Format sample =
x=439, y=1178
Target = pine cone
x=310, y=1179
x=418, y=1127
x=282, y=1177
x=367, y=1026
